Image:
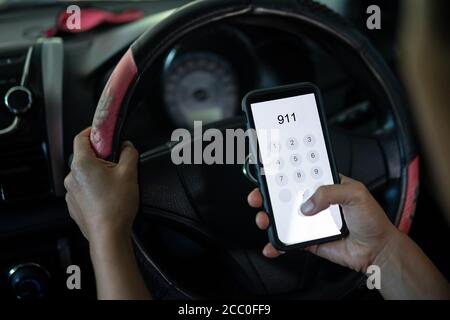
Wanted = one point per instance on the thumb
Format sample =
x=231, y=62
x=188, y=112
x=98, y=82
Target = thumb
x=342, y=194
x=82, y=149
x=129, y=156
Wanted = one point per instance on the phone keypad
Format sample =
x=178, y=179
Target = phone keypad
x=294, y=170
x=295, y=159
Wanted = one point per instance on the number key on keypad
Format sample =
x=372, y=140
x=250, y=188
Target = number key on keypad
x=296, y=159
x=278, y=164
x=292, y=143
x=313, y=156
x=299, y=176
x=275, y=147
x=309, y=140
x=282, y=179
x=316, y=172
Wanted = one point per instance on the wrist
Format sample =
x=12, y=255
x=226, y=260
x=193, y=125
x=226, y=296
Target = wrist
x=102, y=231
x=110, y=240
x=388, y=248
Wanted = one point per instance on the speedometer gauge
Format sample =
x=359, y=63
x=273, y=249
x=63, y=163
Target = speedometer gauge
x=200, y=87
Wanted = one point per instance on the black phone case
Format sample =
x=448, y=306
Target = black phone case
x=277, y=93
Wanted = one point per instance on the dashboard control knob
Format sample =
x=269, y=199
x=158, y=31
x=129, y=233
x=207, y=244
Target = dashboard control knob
x=29, y=281
x=18, y=99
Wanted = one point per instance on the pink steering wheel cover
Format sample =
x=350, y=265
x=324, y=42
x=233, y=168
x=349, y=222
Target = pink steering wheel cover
x=108, y=107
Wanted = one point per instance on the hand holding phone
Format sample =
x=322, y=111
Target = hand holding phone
x=370, y=231
x=294, y=159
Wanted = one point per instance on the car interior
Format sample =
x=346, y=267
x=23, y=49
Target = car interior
x=195, y=236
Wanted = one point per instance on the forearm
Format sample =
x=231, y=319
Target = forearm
x=116, y=271
x=407, y=273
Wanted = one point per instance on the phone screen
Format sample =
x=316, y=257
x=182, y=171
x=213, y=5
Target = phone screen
x=295, y=162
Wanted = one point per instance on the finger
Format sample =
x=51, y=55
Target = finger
x=67, y=181
x=345, y=179
x=82, y=148
x=70, y=207
x=333, y=251
x=312, y=249
x=73, y=208
x=254, y=199
x=345, y=193
x=107, y=163
x=262, y=220
x=70, y=183
x=129, y=156
x=270, y=252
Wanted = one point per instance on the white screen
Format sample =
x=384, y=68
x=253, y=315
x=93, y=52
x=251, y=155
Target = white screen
x=295, y=158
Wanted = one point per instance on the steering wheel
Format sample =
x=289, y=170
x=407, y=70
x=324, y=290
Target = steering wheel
x=195, y=235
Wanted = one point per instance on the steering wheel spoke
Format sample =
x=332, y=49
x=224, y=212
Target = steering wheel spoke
x=361, y=158
x=161, y=189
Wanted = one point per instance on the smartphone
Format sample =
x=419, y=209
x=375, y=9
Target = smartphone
x=293, y=159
